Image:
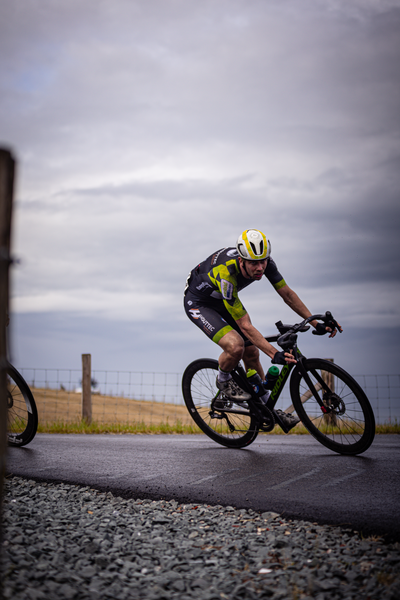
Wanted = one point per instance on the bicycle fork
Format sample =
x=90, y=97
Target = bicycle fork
x=327, y=392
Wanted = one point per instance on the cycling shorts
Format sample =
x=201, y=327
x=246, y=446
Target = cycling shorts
x=212, y=318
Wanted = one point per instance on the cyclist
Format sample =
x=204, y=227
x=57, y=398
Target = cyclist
x=212, y=303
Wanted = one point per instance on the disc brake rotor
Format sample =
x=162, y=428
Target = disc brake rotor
x=335, y=404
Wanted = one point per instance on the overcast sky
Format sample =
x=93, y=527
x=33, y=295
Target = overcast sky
x=148, y=134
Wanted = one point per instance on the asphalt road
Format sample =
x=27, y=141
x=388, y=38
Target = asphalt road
x=291, y=475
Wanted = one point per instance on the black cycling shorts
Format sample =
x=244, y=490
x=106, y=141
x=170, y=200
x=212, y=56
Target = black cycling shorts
x=212, y=318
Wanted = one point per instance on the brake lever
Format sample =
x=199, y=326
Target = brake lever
x=332, y=323
x=287, y=340
x=329, y=321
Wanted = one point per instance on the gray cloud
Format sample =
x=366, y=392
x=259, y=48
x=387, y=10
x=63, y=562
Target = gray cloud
x=150, y=134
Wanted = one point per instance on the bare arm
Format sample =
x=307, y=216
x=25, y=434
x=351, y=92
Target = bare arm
x=291, y=299
x=258, y=339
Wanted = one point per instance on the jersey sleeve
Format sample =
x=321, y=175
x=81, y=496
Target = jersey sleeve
x=224, y=279
x=273, y=275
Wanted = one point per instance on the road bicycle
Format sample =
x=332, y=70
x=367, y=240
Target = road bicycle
x=22, y=416
x=330, y=404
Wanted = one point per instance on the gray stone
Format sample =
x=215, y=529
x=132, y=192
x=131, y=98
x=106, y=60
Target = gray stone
x=67, y=591
x=144, y=549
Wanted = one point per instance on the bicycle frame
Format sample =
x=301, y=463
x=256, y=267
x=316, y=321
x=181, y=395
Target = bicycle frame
x=287, y=339
x=281, y=381
x=279, y=385
x=256, y=407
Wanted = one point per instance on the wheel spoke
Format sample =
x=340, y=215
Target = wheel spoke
x=348, y=424
x=221, y=419
x=22, y=419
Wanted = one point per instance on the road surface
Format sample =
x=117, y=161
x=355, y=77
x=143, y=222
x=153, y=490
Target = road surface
x=291, y=475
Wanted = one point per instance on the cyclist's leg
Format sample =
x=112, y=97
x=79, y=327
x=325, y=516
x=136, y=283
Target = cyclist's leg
x=232, y=345
x=251, y=359
x=235, y=349
x=221, y=328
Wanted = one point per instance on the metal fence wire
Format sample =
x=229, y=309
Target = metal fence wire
x=124, y=397
x=383, y=392
x=153, y=398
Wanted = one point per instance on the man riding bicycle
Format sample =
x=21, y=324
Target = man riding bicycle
x=212, y=303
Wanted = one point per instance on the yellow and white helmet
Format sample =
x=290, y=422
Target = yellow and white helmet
x=253, y=245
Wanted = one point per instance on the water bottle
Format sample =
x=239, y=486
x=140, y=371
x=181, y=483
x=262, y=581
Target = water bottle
x=255, y=380
x=272, y=377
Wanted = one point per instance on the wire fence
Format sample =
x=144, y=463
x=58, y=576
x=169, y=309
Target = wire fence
x=153, y=398
x=117, y=396
x=383, y=392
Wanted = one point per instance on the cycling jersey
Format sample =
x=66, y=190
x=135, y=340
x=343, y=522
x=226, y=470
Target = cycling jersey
x=211, y=293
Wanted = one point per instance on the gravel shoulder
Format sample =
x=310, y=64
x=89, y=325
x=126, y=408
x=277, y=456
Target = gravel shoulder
x=68, y=541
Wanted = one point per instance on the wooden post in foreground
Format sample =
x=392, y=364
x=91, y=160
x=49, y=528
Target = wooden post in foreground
x=7, y=167
x=329, y=418
x=328, y=378
x=87, y=388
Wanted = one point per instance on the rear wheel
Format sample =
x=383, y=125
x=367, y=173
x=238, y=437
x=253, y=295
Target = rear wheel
x=222, y=420
x=22, y=417
x=342, y=418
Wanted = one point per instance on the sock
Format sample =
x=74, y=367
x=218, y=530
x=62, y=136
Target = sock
x=223, y=375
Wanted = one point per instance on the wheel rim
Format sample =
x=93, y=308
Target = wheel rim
x=344, y=420
x=206, y=396
x=18, y=410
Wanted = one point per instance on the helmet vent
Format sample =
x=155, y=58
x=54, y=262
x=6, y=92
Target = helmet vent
x=253, y=248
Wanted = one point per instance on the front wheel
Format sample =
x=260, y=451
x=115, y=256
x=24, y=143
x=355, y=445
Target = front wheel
x=223, y=421
x=333, y=407
x=22, y=416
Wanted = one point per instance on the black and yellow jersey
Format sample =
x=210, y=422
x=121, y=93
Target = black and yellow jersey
x=218, y=280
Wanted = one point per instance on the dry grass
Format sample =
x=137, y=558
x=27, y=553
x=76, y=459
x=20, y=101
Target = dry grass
x=133, y=427
x=61, y=412
x=61, y=406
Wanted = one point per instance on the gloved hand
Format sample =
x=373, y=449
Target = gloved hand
x=320, y=329
x=279, y=358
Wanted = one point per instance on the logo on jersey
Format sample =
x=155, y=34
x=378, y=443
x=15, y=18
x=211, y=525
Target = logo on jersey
x=226, y=289
x=215, y=257
x=196, y=314
x=203, y=285
x=232, y=252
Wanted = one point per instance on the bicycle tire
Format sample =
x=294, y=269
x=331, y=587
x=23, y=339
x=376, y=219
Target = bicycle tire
x=22, y=416
x=348, y=427
x=199, y=390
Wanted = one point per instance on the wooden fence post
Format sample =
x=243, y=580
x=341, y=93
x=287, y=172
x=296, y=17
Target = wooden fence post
x=87, y=388
x=328, y=378
x=7, y=168
x=329, y=418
